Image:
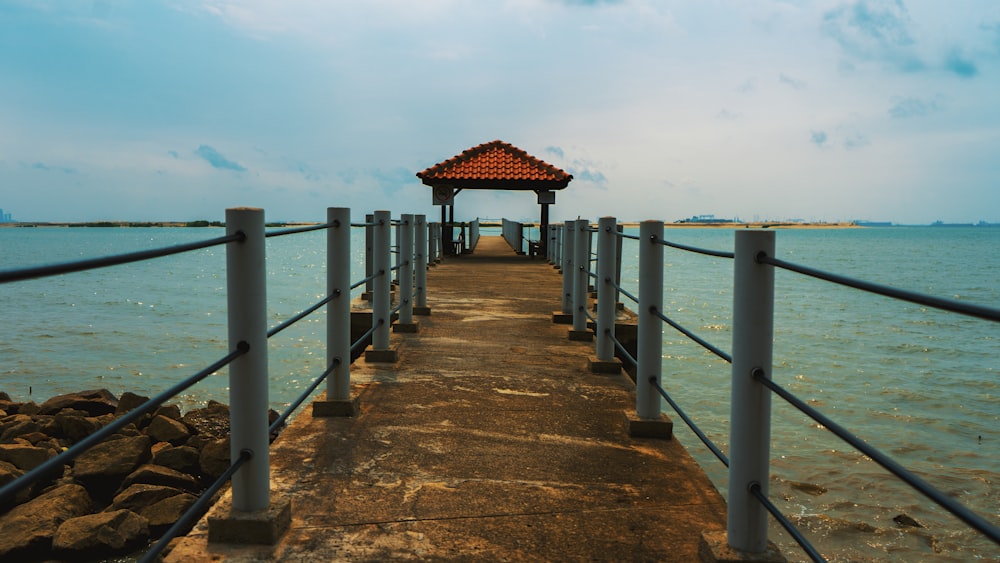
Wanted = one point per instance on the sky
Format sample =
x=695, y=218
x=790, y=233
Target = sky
x=826, y=110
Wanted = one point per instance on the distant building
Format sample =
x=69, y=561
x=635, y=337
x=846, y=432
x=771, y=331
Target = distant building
x=5, y=217
x=706, y=219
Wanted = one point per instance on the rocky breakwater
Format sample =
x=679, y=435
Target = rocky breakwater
x=116, y=497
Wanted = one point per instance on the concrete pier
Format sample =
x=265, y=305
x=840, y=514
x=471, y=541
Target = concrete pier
x=489, y=439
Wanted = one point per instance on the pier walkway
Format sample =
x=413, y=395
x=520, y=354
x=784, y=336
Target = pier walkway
x=488, y=440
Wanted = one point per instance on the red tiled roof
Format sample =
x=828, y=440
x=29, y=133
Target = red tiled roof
x=496, y=165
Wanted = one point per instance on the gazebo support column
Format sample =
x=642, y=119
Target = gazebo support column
x=543, y=232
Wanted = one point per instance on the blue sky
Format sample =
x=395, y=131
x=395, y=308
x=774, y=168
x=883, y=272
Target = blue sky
x=824, y=110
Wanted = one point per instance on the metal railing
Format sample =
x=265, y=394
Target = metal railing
x=751, y=358
x=249, y=473
x=513, y=233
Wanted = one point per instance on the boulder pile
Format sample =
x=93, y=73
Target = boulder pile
x=117, y=496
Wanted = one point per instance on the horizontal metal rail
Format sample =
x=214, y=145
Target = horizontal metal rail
x=695, y=249
x=196, y=509
x=116, y=260
x=372, y=224
x=358, y=344
x=8, y=491
x=621, y=348
x=687, y=420
x=806, y=546
x=296, y=230
x=368, y=279
x=943, y=500
x=624, y=235
x=623, y=291
x=302, y=315
x=970, y=309
x=702, y=342
x=278, y=422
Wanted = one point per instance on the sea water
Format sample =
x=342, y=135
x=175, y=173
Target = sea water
x=919, y=384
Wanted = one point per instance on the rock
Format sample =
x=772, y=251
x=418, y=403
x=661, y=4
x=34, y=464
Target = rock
x=28, y=529
x=76, y=427
x=9, y=472
x=214, y=457
x=163, y=429
x=170, y=411
x=808, y=488
x=163, y=514
x=213, y=420
x=28, y=408
x=103, y=467
x=129, y=401
x=25, y=457
x=34, y=438
x=16, y=426
x=96, y=402
x=150, y=474
x=906, y=521
x=199, y=441
x=137, y=497
x=179, y=458
x=101, y=533
x=114, y=457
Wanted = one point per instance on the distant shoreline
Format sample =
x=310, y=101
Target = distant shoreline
x=629, y=224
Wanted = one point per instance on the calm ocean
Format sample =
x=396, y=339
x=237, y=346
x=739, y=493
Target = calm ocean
x=919, y=384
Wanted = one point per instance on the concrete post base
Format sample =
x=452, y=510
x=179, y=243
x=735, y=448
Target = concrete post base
x=560, y=318
x=387, y=356
x=612, y=367
x=409, y=328
x=581, y=336
x=324, y=409
x=422, y=311
x=714, y=548
x=259, y=527
x=661, y=428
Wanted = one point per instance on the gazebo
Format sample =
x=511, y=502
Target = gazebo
x=494, y=166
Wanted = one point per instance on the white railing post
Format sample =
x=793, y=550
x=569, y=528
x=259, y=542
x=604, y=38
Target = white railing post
x=581, y=281
x=750, y=414
x=431, y=243
x=606, y=260
x=246, y=286
x=398, y=257
x=381, y=297
x=369, y=255
x=649, y=355
x=405, y=246
x=569, y=234
x=338, y=319
x=438, y=242
x=420, y=266
x=558, y=238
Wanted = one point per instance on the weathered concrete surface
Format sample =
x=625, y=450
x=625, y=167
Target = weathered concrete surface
x=489, y=439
